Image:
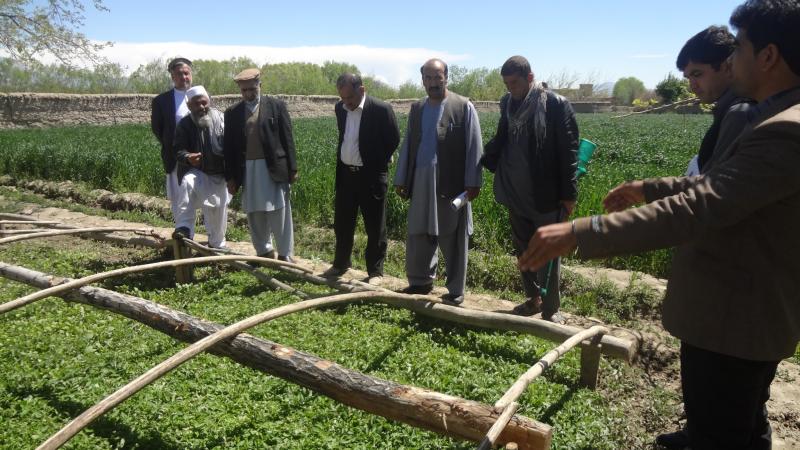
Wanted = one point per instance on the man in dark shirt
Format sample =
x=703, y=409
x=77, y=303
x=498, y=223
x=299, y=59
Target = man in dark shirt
x=704, y=62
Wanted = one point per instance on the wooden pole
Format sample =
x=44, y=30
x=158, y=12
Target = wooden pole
x=55, y=290
x=491, y=437
x=440, y=413
x=682, y=102
x=72, y=231
x=183, y=273
x=28, y=222
x=590, y=362
x=518, y=388
x=260, y=276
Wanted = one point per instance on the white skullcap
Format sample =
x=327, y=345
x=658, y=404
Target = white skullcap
x=194, y=91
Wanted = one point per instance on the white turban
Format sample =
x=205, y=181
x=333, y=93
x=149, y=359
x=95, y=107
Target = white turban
x=194, y=91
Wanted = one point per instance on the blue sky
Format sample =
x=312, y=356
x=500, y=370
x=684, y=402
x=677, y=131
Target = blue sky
x=597, y=41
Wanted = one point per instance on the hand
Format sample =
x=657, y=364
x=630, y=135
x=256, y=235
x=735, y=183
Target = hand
x=401, y=191
x=473, y=192
x=547, y=243
x=569, y=208
x=624, y=196
x=293, y=176
x=194, y=159
x=232, y=187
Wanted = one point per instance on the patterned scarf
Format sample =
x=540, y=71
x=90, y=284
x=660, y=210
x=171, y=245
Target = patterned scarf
x=533, y=106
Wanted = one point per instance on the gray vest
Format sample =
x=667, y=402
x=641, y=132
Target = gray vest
x=451, y=150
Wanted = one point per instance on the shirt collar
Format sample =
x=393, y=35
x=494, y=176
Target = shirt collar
x=360, y=105
x=773, y=104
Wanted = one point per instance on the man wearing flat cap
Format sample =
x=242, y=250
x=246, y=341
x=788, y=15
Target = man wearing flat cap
x=260, y=158
x=167, y=110
x=201, y=169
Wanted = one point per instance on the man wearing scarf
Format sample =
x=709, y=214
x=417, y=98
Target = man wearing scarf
x=201, y=169
x=534, y=157
x=439, y=162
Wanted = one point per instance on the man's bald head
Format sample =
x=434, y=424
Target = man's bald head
x=434, y=79
x=436, y=64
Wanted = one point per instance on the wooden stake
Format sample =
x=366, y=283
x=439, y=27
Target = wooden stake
x=183, y=273
x=590, y=362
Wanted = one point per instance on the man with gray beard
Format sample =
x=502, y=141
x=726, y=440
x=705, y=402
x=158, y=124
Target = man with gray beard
x=201, y=169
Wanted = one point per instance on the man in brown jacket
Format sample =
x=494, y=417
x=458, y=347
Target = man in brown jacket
x=733, y=297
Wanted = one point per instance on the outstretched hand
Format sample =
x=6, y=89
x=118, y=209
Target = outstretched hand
x=549, y=242
x=624, y=196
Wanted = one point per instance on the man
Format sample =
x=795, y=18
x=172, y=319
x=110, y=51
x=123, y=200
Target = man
x=368, y=136
x=704, y=62
x=260, y=158
x=439, y=162
x=167, y=110
x=534, y=157
x=201, y=169
x=732, y=294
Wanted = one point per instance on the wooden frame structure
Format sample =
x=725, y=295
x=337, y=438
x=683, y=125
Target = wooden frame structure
x=459, y=418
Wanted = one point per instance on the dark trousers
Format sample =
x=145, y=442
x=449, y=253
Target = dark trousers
x=360, y=190
x=522, y=229
x=725, y=400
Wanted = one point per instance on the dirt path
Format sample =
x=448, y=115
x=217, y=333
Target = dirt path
x=657, y=358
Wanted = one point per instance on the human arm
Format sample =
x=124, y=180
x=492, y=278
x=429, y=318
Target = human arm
x=287, y=140
x=473, y=173
x=751, y=179
x=566, y=142
x=401, y=171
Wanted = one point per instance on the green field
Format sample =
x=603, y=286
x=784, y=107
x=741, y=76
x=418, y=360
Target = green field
x=58, y=359
x=126, y=159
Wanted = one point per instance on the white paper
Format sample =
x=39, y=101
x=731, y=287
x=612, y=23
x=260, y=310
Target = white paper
x=459, y=201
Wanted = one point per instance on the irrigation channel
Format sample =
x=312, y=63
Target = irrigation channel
x=488, y=426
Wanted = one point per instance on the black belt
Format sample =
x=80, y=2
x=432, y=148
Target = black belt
x=352, y=168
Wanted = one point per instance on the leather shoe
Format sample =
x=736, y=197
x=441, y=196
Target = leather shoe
x=181, y=233
x=452, y=299
x=556, y=317
x=270, y=254
x=530, y=307
x=334, y=272
x=421, y=289
x=286, y=258
x=678, y=440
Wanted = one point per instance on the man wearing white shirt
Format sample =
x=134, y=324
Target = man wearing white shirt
x=168, y=108
x=368, y=136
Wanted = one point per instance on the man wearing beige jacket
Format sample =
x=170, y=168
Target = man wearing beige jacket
x=733, y=297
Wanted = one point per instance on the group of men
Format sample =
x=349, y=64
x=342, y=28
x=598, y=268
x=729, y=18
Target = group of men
x=732, y=294
x=206, y=162
x=209, y=155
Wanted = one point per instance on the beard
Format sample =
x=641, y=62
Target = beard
x=202, y=121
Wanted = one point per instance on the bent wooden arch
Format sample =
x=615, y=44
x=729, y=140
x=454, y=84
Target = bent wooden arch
x=508, y=402
x=72, y=231
x=30, y=298
x=441, y=413
x=198, y=347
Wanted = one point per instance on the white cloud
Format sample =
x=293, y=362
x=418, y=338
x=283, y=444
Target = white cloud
x=391, y=65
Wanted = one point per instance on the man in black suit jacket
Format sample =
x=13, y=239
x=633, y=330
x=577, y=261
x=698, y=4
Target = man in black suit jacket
x=260, y=158
x=167, y=109
x=368, y=136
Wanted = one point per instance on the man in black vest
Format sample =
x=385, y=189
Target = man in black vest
x=368, y=136
x=534, y=157
x=260, y=158
x=439, y=170
x=167, y=110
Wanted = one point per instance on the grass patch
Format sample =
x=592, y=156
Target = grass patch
x=59, y=358
x=126, y=159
